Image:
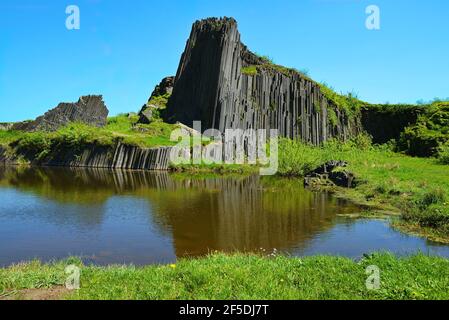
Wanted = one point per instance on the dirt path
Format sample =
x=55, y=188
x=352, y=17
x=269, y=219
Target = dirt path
x=56, y=293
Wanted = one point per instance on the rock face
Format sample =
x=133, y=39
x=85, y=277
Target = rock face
x=157, y=101
x=89, y=109
x=113, y=157
x=224, y=85
x=119, y=157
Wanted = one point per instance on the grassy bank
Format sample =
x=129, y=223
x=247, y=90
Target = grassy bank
x=120, y=128
x=417, y=187
x=241, y=277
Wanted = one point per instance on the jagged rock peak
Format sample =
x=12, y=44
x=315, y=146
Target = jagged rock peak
x=89, y=109
x=215, y=24
x=163, y=88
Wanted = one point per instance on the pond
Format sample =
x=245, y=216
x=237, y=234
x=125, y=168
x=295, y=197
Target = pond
x=136, y=217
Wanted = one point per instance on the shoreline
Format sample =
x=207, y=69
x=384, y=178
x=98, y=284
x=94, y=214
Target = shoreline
x=238, y=276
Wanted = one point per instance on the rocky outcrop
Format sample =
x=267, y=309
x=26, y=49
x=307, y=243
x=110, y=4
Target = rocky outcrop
x=5, y=126
x=89, y=109
x=120, y=157
x=158, y=100
x=91, y=156
x=331, y=174
x=224, y=85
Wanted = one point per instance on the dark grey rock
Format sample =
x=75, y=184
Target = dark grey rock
x=330, y=166
x=328, y=175
x=89, y=109
x=164, y=87
x=119, y=156
x=157, y=100
x=343, y=179
x=146, y=115
x=210, y=87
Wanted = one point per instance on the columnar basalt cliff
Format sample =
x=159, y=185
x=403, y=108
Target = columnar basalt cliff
x=89, y=109
x=119, y=156
x=224, y=85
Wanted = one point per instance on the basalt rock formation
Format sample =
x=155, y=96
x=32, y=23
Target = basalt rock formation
x=158, y=100
x=120, y=156
x=89, y=109
x=224, y=85
x=329, y=175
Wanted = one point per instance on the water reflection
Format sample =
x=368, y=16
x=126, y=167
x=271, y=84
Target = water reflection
x=143, y=217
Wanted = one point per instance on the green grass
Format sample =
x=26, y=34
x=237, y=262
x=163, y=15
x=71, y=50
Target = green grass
x=160, y=101
x=244, y=277
x=250, y=70
x=418, y=187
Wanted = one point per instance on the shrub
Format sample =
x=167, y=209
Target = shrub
x=425, y=138
x=35, y=144
x=297, y=158
x=432, y=197
x=443, y=154
x=362, y=141
x=434, y=217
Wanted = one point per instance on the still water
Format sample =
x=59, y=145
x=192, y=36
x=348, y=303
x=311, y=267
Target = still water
x=107, y=216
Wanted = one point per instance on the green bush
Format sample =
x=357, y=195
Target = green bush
x=435, y=217
x=443, y=154
x=425, y=138
x=36, y=144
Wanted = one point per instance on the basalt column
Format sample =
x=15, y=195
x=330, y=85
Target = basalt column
x=224, y=85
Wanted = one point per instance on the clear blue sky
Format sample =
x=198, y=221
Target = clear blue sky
x=124, y=48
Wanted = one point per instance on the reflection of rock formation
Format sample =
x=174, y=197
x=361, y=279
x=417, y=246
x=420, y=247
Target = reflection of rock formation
x=240, y=215
x=245, y=213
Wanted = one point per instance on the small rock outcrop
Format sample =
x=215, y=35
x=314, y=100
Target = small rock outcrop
x=225, y=86
x=158, y=100
x=329, y=174
x=89, y=109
